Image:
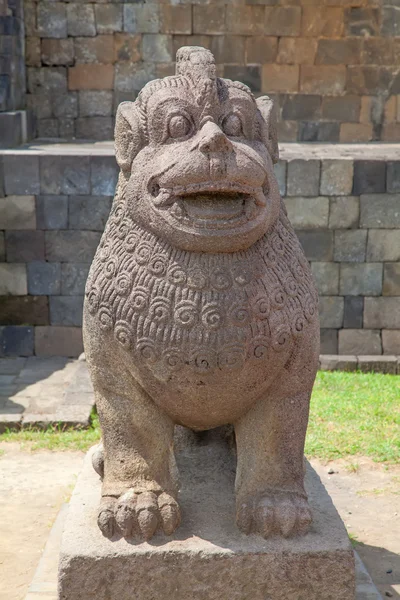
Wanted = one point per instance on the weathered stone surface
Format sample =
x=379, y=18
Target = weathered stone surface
x=2, y=247
x=321, y=79
x=280, y=78
x=103, y=175
x=19, y=310
x=94, y=128
x=178, y=19
x=344, y=212
x=334, y=362
x=391, y=341
x=16, y=341
x=369, y=177
x=95, y=103
x=17, y=212
x=260, y=49
x=108, y=17
x=44, y=278
x=353, y=312
x=308, y=213
x=350, y=246
x=393, y=177
x=317, y=245
x=216, y=551
x=360, y=342
x=383, y=244
x=319, y=132
x=280, y=170
x=89, y=212
x=329, y=341
x=157, y=48
x=71, y=246
x=141, y=18
x=91, y=77
x=52, y=212
x=341, y=108
x=391, y=279
x=52, y=20
x=296, y=50
x=376, y=364
x=66, y=310
x=73, y=278
x=58, y=341
x=380, y=211
x=21, y=182
x=326, y=275
x=99, y=49
x=331, y=311
x=205, y=268
x=65, y=105
x=363, y=279
x=301, y=106
x=249, y=75
x=24, y=246
x=303, y=178
x=81, y=19
x=382, y=313
x=13, y=279
x=57, y=52
x=321, y=21
x=336, y=177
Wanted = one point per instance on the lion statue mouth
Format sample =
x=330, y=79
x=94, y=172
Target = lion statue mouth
x=210, y=205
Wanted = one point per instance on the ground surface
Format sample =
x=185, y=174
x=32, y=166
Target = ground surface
x=33, y=486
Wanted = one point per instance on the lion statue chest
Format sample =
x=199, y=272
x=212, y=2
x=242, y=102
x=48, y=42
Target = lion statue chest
x=206, y=322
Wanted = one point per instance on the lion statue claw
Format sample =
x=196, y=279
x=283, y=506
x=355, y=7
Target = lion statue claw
x=200, y=309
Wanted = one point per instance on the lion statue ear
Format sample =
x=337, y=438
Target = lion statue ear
x=268, y=126
x=128, y=137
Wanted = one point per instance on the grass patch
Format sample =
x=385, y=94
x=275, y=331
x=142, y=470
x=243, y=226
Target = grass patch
x=351, y=414
x=355, y=414
x=56, y=437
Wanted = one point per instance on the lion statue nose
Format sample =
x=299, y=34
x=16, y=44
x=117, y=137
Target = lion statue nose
x=213, y=139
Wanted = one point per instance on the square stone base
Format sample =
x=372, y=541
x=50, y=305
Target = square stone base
x=207, y=558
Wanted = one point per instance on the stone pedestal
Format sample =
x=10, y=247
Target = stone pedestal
x=207, y=558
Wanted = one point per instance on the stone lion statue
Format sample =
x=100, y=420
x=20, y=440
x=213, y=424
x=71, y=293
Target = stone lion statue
x=200, y=308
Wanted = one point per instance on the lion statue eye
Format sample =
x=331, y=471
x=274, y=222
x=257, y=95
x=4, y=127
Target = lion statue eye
x=232, y=125
x=179, y=126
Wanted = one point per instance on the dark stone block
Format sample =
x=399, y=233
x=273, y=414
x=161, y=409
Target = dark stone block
x=21, y=174
x=89, y=212
x=75, y=175
x=369, y=177
x=16, y=341
x=10, y=25
x=342, y=108
x=1, y=178
x=317, y=245
x=51, y=175
x=393, y=177
x=10, y=128
x=103, y=175
x=250, y=76
x=301, y=107
x=20, y=310
x=390, y=21
x=24, y=246
x=66, y=310
x=353, y=312
x=44, y=278
x=71, y=246
x=329, y=341
x=73, y=278
x=362, y=21
x=5, y=93
x=52, y=212
x=319, y=132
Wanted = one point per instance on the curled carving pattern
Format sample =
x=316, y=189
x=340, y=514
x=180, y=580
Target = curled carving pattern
x=164, y=305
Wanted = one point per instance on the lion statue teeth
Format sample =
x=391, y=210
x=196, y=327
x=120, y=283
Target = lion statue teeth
x=200, y=308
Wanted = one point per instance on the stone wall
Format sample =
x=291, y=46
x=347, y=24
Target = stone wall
x=333, y=65
x=54, y=203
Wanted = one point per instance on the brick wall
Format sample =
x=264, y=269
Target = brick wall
x=12, y=65
x=333, y=65
x=53, y=207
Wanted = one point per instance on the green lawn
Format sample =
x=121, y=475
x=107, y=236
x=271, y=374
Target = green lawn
x=351, y=414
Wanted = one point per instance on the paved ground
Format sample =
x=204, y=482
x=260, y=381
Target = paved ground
x=33, y=486
x=44, y=390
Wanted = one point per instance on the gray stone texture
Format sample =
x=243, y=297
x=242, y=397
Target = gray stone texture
x=381, y=211
x=227, y=563
x=382, y=313
x=308, y=213
x=52, y=212
x=344, y=212
x=369, y=177
x=73, y=278
x=391, y=279
x=383, y=245
x=44, y=278
x=71, y=246
x=393, y=177
x=88, y=212
x=350, y=246
x=336, y=177
x=13, y=279
x=303, y=178
x=58, y=341
x=360, y=341
x=329, y=341
x=16, y=341
x=317, y=245
x=376, y=364
x=391, y=341
x=353, y=312
x=21, y=181
x=363, y=279
x=103, y=175
x=326, y=275
x=24, y=246
x=66, y=310
x=81, y=19
x=17, y=212
x=331, y=311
